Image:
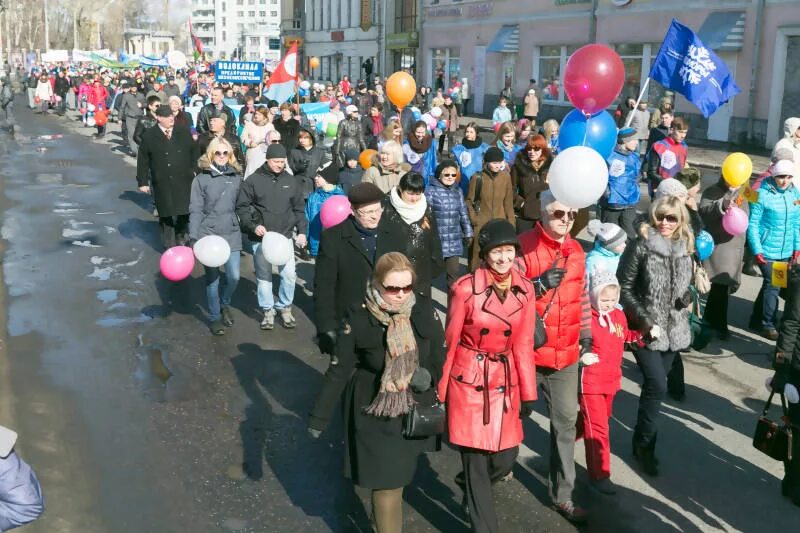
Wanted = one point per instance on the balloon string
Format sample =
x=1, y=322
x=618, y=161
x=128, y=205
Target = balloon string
x=586, y=130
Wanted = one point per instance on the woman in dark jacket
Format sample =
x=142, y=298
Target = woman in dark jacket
x=446, y=200
x=410, y=220
x=306, y=159
x=386, y=363
x=212, y=211
x=654, y=274
x=529, y=179
x=349, y=135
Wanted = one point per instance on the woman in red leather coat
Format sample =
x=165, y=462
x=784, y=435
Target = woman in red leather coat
x=489, y=377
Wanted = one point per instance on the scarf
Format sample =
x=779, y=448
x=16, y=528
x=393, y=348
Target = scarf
x=377, y=125
x=470, y=145
x=410, y=213
x=401, y=359
x=605, y=321
x=419, y=147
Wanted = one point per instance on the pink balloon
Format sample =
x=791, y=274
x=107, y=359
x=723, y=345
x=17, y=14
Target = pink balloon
x=177, y=263
x=734, y=221
x=593, y=77
x=334, y=211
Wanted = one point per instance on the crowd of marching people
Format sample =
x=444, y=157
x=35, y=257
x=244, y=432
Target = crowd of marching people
x=532, y=313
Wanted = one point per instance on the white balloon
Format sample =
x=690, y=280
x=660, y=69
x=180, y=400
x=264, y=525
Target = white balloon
x=791, y=394
x=305, y=84
x=436, y=112
x=212, y=251
x=277, y=249
x=578, y=177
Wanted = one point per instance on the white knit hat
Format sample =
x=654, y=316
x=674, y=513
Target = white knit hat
x=598, y=280
x=671, y=187
x=610, y=235
x=351, y=109
x=784, y=167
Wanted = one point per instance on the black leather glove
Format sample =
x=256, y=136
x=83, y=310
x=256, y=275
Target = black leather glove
x=421, y=380
x=525, y=409
x=468, y=243
x=586, y=345
x=684, y=301
x=327, y=342
x=779, y=381
x=550, y=279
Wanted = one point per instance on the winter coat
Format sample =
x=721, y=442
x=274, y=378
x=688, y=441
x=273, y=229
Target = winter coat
x=624, y=167
x=349, y=136
x=143, y=124
x=421, y=163
x=665, y=160
x=790, y=327
x=305, y=164
x=791, y=142
x=212, y=209
x=274, y=201
x=653, y=273
x=350, y=176
x=44, y=91
x=21, y=498
x=641, y=123
x=169, y=165
x=725, y=264
x=452, y=218
x=531, y=102
x=419, y=241
x=528, y=184
x=450, y=114
x=6, y=96
x=509, y=154
x=61, y=86
x=490, y=366
x=774, y=221
x=376, y=453
x=313, y=207
x=568, y=319
x=131, y=106
x=470, y=161
x=604, y=377
x=384, y=178
x=98, y=96
x=602, y=259
x=496, y=201
x=209, y=110
x=500, y=115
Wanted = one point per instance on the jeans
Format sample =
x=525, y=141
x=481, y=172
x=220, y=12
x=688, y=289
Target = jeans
x=215, y=300
x=266, y=300
x=654, y=366
x=560, y=390
x=769, y=295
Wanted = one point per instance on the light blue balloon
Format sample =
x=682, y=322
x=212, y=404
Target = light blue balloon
x=705, y=245
x=599, y=132
x=441, y=125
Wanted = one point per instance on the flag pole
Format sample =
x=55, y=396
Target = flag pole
x=641, y=94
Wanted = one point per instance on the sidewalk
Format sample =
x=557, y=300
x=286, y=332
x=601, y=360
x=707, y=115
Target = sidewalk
x=707, y=157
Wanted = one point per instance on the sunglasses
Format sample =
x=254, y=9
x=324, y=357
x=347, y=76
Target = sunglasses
x=449, y=175
x=559, y=214
x=224, y=152
x=672, y=219
x=275, y=141
x=389, y=289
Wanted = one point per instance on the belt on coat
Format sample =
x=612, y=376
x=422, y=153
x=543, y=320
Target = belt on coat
x=505, y=388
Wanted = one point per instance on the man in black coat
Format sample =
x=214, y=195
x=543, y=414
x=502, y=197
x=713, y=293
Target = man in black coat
x=61, y=89
x=212, y=109
x=166, y=161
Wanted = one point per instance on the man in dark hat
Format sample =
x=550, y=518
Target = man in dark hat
x=271, y=199
x=165, y=163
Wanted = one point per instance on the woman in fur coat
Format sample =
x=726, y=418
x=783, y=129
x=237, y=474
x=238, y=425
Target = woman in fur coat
x=654, y=274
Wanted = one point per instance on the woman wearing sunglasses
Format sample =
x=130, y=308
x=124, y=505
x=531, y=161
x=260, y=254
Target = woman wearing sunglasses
x=529, y=179
x=212, y=211
x=489, y=378
x=386, y=364
x=654, y=274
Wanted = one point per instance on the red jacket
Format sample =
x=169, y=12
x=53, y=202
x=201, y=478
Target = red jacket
x=97, y=97
x=569, y=317
x=604, y=377
x=490, y=367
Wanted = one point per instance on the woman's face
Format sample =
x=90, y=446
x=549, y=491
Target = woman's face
x=420, y=132
x=304, y=140
x=525, y=132
x=666, y=224
x=374, y=111
x=410, y=197
x=221, y=155
x=258, y=119
x=386, y=159
x=396, y=287
x=783, y=182
x=470, y=134
x=175, y=105
x=398, y=130
x=508, y=138
x=534, y=153
x=497, y=166
x=448, y=176
x=501, y=258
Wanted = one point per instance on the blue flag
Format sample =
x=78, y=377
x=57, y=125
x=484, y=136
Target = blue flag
x=685, y=65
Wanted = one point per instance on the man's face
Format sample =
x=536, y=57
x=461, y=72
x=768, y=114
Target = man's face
x=217, y=125
x=558, y=219
x=166, y=122
x=666, y=119
x=216, y=96
x=368, y=215
x=286, y=114
x=276, y=164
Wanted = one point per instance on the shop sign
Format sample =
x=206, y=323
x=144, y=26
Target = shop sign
x=289, y=41
x=337, y=36
x=480, y=9
x=366, y=14
x=396, y=41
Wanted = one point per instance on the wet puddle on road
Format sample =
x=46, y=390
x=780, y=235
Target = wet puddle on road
x=159, y=379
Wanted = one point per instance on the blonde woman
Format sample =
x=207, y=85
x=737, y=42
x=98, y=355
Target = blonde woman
x=212, y=211
x=654, y=274
x=550, y=132
x=387, y=167
x=392, y=132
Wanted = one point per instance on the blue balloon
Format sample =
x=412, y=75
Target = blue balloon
x=705, y=245
x=598, y=132
x=441, y=125
x=416, y=114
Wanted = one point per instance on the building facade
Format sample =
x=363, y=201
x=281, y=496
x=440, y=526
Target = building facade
x=506, y=43
x=248, y=30
x=147, y=42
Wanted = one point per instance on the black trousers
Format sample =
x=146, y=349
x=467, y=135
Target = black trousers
x=716, y=311
x=481, y=470
x=654, y=366
x=173, y=230
x=453, y=268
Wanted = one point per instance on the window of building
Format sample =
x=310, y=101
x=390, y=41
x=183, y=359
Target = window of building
x=552, y=60
x=251, y=14
x=405, y=16
x=240, y=14
x=255, y=41
x=224, y=7
x=273, y=13
x=251, y=2
x=224, y=35
x=262, y=14
x=239, y=2
x=405, y=59
x=509, y=60
x=445, y=64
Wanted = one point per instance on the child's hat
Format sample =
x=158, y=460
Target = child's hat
x=599, y=280
x=610, y=235
x=329, y=173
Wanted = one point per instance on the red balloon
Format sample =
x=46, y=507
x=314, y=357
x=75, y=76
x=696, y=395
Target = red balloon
x=593, y=77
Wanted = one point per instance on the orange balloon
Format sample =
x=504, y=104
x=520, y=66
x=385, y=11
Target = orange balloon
x=365, y=158
x=401, y=88
x=313, y=62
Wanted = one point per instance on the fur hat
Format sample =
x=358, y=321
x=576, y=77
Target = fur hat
x=364, y=193
x=671, y=187
x=599, y=280
x=493, y=155
x=496, y=233
x=609, y=235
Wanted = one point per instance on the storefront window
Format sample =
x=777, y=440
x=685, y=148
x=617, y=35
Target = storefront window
x=552, y=60
x=631, y=55
x=445, y=65
x=405, y=59
x=655, y=90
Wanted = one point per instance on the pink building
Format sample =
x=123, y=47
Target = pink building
x=506, y=43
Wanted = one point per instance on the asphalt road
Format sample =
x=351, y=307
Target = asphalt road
x=137, y=419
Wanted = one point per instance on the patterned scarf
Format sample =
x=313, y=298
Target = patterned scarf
x=402, y=358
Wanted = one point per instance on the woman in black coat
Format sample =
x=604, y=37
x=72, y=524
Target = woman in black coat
x=306, y=159
x=386, y=362
x=529, y=179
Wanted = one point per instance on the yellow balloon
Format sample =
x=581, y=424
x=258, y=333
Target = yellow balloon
x=737, y=169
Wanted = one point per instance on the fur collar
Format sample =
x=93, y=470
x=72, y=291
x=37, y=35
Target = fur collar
x=663, y=247
x=417, y=146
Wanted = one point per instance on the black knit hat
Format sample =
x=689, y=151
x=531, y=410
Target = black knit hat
x=329, y=173
x=163, y=111
x=494, y=233
x=493, y=155
x=276, y=151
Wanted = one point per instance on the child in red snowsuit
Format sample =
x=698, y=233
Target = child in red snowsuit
x=601, y=373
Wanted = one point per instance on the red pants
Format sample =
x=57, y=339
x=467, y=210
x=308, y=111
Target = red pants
x=595, y=412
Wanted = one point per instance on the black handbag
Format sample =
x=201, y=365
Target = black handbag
x=773, y=438
x=539, y=333
x=425, y=420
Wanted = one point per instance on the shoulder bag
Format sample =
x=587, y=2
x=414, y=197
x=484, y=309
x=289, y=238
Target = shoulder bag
x=774, y=438
x=426, y=419
x=700, y=278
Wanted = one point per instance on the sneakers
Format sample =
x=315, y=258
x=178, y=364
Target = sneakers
x=217, y=328
x=573, y=514
x=268, y=322
x=604, y=486
x=286, y=317
x=227, y=316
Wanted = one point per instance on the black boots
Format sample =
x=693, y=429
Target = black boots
x=646, y=455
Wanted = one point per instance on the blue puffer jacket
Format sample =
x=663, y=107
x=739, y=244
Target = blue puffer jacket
x=774, y=228
x=450, y=210
x=623, y=178
x=470, y=161
x=313, y=207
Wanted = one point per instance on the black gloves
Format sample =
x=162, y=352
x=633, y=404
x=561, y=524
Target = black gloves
x=550, y=279
x=586, y=345
x=421, y=380
x=684, y=301
x=525, y=409
x=327, y=342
